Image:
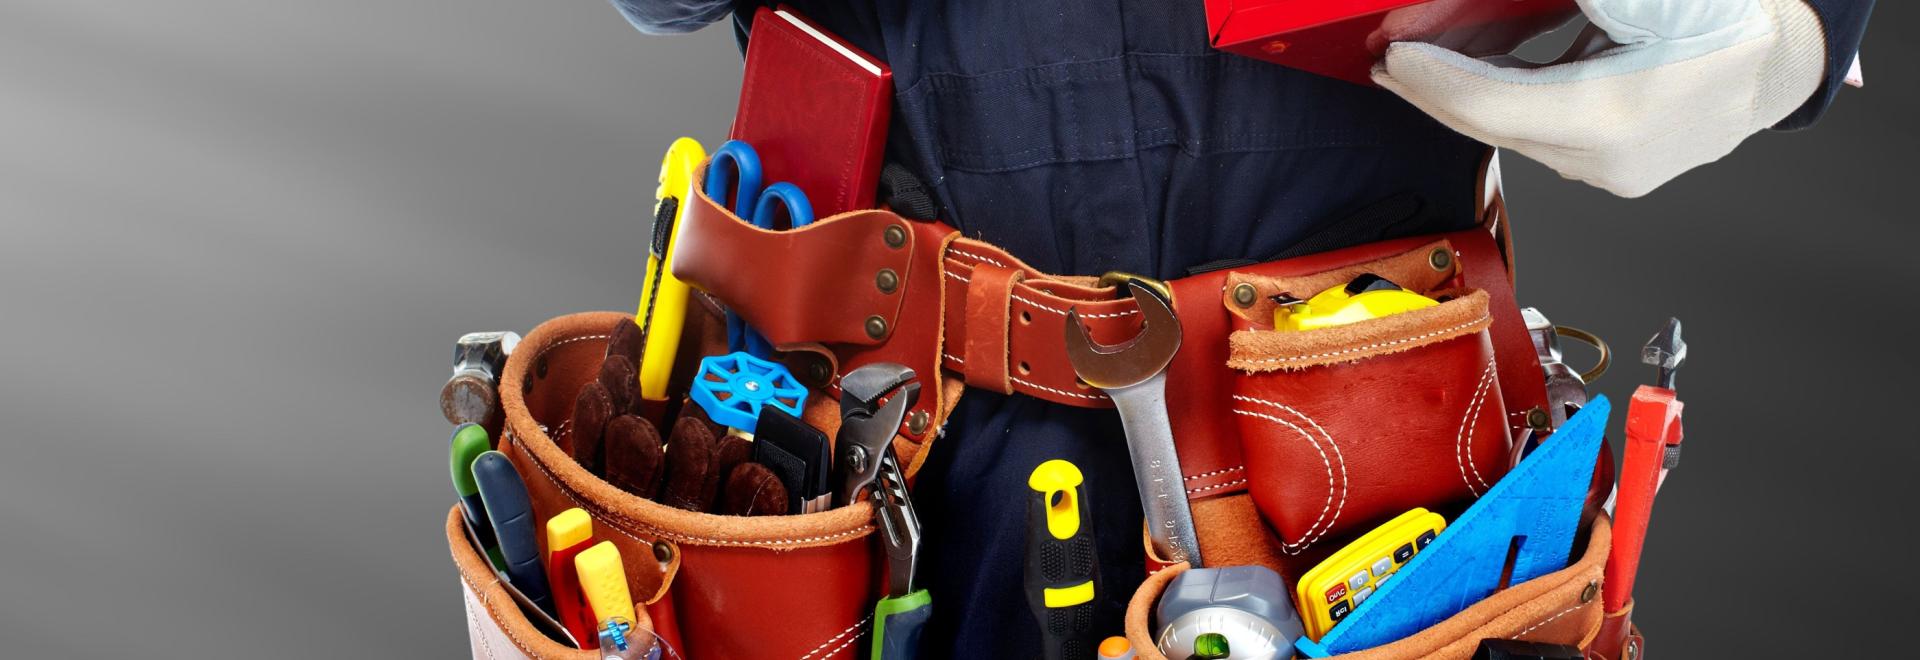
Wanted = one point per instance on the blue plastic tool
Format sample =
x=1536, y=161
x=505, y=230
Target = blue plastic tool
x=761, y=208
x=1533, y=511
x=733, y=388
x=511, y=512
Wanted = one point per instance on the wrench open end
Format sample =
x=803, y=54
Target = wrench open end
x=1134, y=360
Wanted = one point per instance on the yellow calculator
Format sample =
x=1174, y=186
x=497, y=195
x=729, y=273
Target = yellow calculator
x=1330, y=591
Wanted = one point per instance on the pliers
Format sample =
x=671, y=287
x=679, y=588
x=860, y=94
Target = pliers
x=873, y=401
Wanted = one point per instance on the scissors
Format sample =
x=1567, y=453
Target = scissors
x=761, y=208
x=733, y=388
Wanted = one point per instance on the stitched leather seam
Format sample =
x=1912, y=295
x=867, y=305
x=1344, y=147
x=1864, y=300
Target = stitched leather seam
x=487, y=602
x=1486, y=388
x=1368, y=347
x=1337, y=455
x=964, y=253
x=473, y=627
x=1203, y=489
x=1204, y=475
x=1301, y=545
x=1551, y=619
x=610, y=516
x=856, y=626
x=1461, y=441
x=1038, y=386
x=951, y=357
x=1061, y=312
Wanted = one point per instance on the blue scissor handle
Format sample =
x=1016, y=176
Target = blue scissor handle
x=799, y=210
x=731, y=158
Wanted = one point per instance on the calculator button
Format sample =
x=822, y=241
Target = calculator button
x=1382, y=566
x=1338, y=592
x=1421, y=543
x=1403, y=553
x=1358, y=580
x=1339, y=611
x=1361, y=596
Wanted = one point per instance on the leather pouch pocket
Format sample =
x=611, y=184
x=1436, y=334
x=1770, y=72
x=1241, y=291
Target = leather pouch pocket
x=715, y=586
x=1346, y=426
x=1562, y=607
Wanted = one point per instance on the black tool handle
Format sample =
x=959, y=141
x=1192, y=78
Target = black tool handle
x=1068, y=567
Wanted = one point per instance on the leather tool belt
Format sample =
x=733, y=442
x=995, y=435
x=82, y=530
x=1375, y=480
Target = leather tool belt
x=871, y=286
x=1290, y=443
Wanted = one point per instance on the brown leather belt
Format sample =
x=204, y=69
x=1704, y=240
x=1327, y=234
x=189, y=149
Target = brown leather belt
x=870, y=286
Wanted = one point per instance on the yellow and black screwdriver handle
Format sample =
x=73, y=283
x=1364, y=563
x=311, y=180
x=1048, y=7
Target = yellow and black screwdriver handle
x=1062, y=573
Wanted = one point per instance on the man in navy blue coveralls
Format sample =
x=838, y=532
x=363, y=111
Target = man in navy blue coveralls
x=1087, y=136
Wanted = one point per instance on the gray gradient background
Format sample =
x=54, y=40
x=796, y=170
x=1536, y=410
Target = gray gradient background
x=237, y=238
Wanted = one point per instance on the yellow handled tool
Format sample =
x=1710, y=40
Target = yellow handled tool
x=1368, y=296
x=663, y=300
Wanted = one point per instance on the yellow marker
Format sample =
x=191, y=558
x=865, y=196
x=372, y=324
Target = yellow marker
x=664, y=296
x=1366, y=297
x=604, y=582
x=1332, y=590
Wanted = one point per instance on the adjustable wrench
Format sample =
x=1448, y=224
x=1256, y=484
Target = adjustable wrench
x=1134, y=374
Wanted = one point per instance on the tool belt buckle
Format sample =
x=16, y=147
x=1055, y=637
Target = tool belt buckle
x=1119, y=278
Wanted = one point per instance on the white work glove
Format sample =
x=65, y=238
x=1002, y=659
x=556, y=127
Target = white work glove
x=1652, y=89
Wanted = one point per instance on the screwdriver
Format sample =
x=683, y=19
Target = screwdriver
x=1060, y=567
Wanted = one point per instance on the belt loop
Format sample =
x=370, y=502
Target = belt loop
x=989, y=307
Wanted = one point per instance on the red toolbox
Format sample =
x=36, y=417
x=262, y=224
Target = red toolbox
x=1343, y=38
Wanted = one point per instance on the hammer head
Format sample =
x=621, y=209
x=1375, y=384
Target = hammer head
x=478, y=360
x=1666, y=351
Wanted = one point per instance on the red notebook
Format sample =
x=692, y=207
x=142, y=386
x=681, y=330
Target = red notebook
x=816, y=110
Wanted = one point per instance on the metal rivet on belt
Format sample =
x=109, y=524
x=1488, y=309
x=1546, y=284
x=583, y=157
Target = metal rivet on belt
x=1633, y=650
x=663, y=552
x=1244, y=295
x=887, y=280
x=895, y=236
x=1587, y=594
x=819, y=372
x=917, y=422
x=876, y=327
x=1537, y=418
x=1440, y=259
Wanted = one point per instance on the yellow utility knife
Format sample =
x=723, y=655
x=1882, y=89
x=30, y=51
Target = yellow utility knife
x=663, y=298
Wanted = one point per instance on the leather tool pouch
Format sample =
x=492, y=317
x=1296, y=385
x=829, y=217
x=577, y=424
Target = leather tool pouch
x=1346, y=426
x=1562, y=607
x=797, y=586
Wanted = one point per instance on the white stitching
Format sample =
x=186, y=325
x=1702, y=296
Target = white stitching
x=1368, y=347
x=1301, y=545
x=1345, y=484
x=1059, y=392
x=1551, y=619
x=1462, y=442
x=549, y=349
x=610, y=516
x=1061, y=312
x=835, y=638
x=845, y=644
x=951, y=357
x=1204, y=475
x=964, y=253
x=1492, y=367
x=1230, y=484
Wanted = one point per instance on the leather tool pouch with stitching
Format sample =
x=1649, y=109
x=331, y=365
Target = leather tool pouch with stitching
x=1346, y=426
x=802, y=584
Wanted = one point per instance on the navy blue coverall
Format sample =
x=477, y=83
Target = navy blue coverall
x=1086, y=136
